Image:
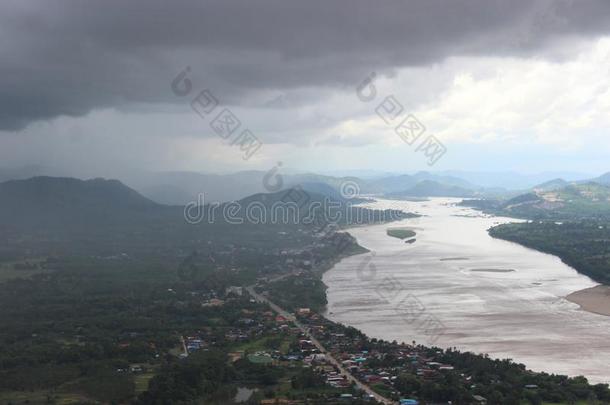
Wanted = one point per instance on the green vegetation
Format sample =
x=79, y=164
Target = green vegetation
x=100, y=310
x=584, y=245
x=575, y=201
x=571, y=222
x=98, y=288
x=419, y=375
x=201, y=376
x=401, y=233
x=257, y=359
x=295, y=292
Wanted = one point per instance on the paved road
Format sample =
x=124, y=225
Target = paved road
x=320, y=347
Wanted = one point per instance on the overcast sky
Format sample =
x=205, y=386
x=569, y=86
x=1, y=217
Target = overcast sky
x=503, y=85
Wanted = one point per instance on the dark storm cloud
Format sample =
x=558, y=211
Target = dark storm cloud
x=69, y=57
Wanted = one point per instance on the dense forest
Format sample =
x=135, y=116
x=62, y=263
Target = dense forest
x=584, y=245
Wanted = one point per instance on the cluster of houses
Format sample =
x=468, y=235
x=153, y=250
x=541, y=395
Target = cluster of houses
x=252, y=325
x=374, y=363
x=194, y=343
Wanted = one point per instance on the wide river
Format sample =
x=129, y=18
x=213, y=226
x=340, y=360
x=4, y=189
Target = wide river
x=458, y=287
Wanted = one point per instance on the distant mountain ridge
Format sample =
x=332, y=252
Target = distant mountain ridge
x=59, y=202
x=66, y=190
x=20, y=173
x=551, y=185
x=514, y=181
x=181, y=187
x=64, y=206
x=551, y=201
x=429, y=188
x=603, y=179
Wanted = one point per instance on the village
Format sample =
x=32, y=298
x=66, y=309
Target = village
x=270, y=323
x=334, y=352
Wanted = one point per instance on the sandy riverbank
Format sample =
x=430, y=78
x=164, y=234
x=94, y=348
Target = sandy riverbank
x=518, y=314
x=596, y=299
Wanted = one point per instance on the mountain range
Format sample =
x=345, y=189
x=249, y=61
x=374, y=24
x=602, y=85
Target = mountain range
x=180, y=188
x=51, y=214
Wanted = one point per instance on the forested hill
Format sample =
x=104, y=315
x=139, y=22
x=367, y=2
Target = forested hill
x=570, y=221
x=551, y=201
x=583, y=245
x=56, y=203
x=49, y=214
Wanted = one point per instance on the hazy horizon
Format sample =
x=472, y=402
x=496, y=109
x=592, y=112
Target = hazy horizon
x=249, y=202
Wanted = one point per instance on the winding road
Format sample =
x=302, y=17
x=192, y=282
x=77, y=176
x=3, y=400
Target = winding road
x=320, y=347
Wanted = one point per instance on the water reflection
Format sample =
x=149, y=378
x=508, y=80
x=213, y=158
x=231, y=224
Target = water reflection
x=491, y=296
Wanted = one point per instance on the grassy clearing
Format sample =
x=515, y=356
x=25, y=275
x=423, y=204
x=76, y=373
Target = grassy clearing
x=281, y=343
x=141, y=381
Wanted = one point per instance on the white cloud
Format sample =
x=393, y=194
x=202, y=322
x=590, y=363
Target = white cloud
x=556, y=103
x=561, y=106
